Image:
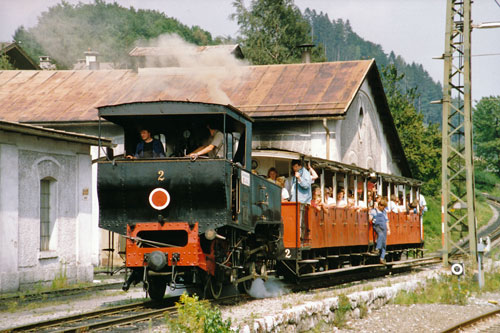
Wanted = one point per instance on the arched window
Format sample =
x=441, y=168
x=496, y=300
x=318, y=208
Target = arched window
x=360, y=123
x=47, y=213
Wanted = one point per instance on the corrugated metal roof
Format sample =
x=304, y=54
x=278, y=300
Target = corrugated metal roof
x=15, y=127
x=294, y=90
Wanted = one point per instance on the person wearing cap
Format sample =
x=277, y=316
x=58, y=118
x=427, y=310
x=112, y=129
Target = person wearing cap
x=148, y=147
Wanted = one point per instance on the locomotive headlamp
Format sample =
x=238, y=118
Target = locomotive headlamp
x=159, y=198
x=156, y=260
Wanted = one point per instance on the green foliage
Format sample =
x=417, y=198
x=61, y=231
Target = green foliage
x=432, y=224
x=65, y=31
x=448, y=289
x=195, y=316
x=485, y=181
x=340, y=43
x=342, y=310
x=61, y=279
x=272, y=30
x=422, y=144
x=487, y=132
x=4, y=62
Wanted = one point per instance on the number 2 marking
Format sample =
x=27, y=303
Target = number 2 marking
x=161, y=175
x=287, y=253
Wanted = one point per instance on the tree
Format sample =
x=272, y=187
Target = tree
x=342, y=43
x=4, y=62
x=486, y=118
x=272, y=30
x=65, y=31
x=422, y=144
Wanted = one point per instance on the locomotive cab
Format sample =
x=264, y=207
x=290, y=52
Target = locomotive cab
x=190, y=221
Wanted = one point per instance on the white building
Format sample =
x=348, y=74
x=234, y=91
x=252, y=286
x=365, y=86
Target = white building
x=45, y=206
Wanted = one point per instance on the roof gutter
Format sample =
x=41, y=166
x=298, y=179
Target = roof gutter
x=54, y=134
x=297, y=118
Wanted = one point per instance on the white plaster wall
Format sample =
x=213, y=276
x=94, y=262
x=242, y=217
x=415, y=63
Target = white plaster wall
x=362, y=139
x=24, y=161
x=9, y=199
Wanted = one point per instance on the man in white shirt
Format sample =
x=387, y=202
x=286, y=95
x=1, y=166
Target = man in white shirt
x=213, y=145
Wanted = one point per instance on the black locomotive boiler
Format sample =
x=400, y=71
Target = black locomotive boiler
x=198, y=222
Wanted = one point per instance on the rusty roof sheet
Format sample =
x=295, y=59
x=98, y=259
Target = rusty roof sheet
x=294, y=90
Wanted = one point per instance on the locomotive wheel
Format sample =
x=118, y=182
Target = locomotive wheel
x=244, y=287
x=215, y=287
x=156, y=287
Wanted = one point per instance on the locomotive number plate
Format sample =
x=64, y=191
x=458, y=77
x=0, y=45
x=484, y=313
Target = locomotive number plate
x=245, y=178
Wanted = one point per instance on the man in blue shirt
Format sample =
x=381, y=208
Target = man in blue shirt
x=302, y=177
x=148, y=147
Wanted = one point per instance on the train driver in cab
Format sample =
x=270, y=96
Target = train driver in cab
x=212, y=146
x=148, y=147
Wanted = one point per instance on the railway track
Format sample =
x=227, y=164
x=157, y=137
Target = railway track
x=101, y=319
x=144, y=311
x=5, y=300
x=493, y=230
x=486, y=322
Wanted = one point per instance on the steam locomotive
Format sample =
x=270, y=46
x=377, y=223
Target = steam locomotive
x=207, y=222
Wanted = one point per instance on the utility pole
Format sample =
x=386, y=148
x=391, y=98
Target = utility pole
x=459, y=205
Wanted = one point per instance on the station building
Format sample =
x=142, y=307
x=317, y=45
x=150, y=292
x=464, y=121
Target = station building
x=45, y=206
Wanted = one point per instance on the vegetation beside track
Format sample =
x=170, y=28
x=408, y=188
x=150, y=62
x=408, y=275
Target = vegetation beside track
x=449, y=289
x=196, y=315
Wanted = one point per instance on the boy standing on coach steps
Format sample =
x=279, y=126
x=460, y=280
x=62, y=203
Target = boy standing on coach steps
x=381, y=226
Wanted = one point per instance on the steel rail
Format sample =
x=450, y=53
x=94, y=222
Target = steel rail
x=127, y=319
x=78, y=317
x=57, y=293
x=470, y=321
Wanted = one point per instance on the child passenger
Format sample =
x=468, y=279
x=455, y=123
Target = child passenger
x=316, y=201
x=380, y=221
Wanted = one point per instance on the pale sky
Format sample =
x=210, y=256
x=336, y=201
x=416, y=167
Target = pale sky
x=412, y=29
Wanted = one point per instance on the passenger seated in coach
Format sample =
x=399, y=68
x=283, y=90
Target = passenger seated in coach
x=370, y=198
x=401, y=206
x=316, y=201
x=280, y=181
x=341, y=202
x=393, y=204
x=272, y=175
x=376, y=200
x=361, y=202
x=328, y=199
x=350, y=199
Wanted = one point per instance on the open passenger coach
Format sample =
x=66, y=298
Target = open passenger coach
x=207, y=222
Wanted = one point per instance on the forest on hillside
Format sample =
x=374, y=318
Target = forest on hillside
x=340, y=42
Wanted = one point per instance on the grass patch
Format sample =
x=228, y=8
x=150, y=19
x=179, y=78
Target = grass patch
x=341, y=312
x=483, y=212
x=432, y=224
x=448, y=289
